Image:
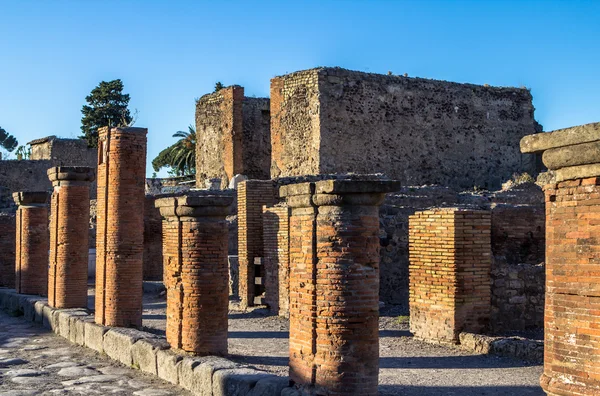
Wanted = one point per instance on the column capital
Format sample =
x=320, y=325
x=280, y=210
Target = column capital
x=202, y=203
x=31, y=198
x=354, y=190
x=69, y=175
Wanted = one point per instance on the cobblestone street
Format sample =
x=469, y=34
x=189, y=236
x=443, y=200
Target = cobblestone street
x=34, y=361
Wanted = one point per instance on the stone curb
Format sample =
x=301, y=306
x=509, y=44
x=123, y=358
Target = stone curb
x=517, y=347
x=206, y=376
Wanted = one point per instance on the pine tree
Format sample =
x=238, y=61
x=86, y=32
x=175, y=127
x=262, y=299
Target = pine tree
x=107, y=106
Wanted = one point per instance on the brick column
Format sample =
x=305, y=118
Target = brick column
x=195, y=239
x=450, y=261
x=334, y=285
x=153, y=260
x=572, y=308
x=32, y=243
x=7, y=249
x=276, y=236
x=120, y=226
x=69, y=234
x=251, y=196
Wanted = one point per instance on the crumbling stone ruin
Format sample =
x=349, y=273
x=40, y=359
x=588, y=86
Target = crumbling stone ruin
x=352, y=191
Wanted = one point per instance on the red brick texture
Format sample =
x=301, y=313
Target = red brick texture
x=276, y=240
x=153, y=259
x=334, y=285
x=251, y=196
x=120, y=226
x=449, y=273
x=69, y=225
x=32, y=243
x=7, y=249
x=572, y=312
x=195, y=239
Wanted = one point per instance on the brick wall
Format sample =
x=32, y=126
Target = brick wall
x=251, y=196
x=572, y=330
x=276, y=257
x=120, y=226
x=450, y=259
x=153, y=260
x=7, y=249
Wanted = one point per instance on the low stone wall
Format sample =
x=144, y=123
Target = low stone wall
x=517, y=296
x=207, y=376
x=518, y=347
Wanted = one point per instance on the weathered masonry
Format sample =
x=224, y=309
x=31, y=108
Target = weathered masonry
x=450, y=259
x=572, y=320
x=233, y=136
x=7, y=249
x=69, y=223
x=120, y=226
x=334, y=284
x=32, y=243
x=196, y=274
x=420, y=131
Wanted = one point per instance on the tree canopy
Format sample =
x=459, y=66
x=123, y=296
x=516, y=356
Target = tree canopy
x=219, y=86
x=8, y=141
x=181, y=156
x=107, y=106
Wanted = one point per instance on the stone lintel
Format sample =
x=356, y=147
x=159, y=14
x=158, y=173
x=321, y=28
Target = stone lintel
x=198, y=204
x=577, y=172
x=71, y=173
x=560, y=138
x=31, y=197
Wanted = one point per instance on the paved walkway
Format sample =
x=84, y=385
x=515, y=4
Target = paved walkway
x=34, y=361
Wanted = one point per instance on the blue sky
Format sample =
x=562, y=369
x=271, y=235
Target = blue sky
x=53, y=52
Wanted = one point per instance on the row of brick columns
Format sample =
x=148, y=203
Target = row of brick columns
x=334, y=262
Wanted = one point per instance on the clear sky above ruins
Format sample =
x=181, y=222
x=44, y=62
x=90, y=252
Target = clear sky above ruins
x=52, y=53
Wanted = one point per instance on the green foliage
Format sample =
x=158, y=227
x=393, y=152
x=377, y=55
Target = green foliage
x=181, y=156
x=7, y=141
x=23, y=153
x=403, y=319
x=107, y=106
x=219, y=86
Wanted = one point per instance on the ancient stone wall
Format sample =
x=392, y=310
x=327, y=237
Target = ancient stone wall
x=233, y=136
x=420, y=131
x=256, y=141
x=450, y=260
x=7, y=249
x=519, y=233
x=25, y=175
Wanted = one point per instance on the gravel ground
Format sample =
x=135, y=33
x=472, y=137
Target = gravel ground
x=34, y=361
x=407, y=366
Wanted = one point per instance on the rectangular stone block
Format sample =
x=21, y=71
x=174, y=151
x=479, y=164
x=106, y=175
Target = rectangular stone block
x=118, y=343
x=39, y=311
x=77, y=328
x=144, y=354
x=50, y=318
x=270, y=385
x=94, y=336
x=236, y=381
x=166, y=365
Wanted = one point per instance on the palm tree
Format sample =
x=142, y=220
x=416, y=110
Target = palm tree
x=181, y=156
